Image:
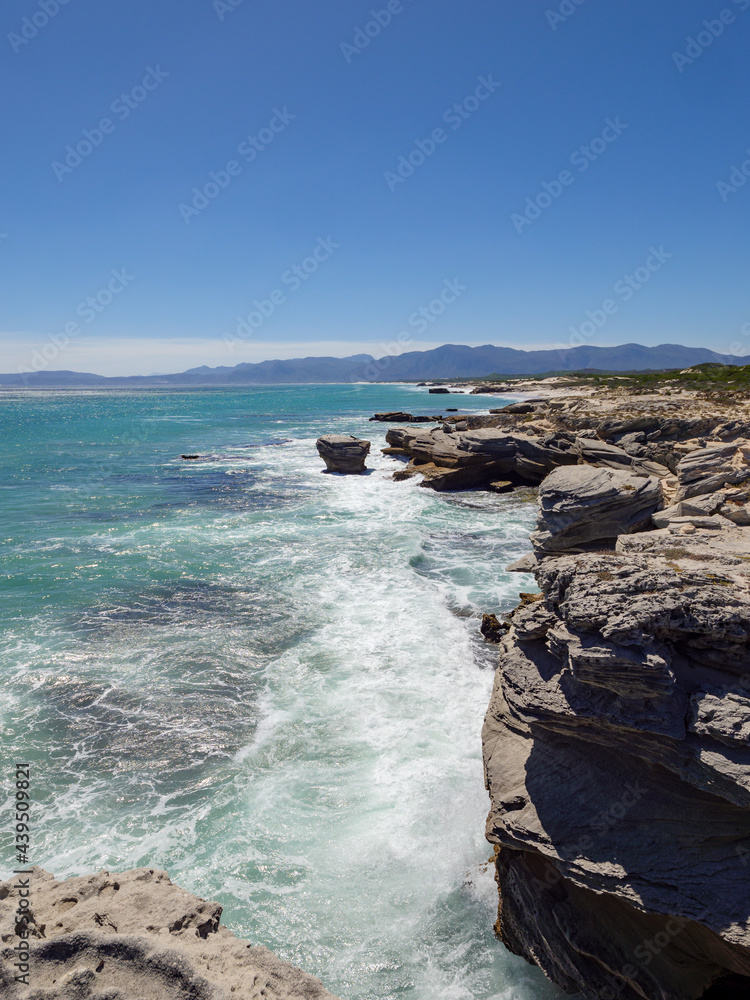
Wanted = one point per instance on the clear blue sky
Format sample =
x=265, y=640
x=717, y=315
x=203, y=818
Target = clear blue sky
x=222, y=72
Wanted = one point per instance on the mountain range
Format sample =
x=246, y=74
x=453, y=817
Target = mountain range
x=446, y=362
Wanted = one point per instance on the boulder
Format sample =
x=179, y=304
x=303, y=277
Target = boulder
x=440, y=391
x=343, y=453
x=598, y=452
x=133, y=935
x=583, y=507
x=492, y=628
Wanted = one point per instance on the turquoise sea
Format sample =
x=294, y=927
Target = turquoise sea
x=266, y=680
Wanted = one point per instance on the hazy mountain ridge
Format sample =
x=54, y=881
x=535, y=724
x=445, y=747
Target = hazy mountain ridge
x=448, y=361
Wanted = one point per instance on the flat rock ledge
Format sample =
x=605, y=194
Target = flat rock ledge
x=133, y=936
x=617, y=741
x=343, y=453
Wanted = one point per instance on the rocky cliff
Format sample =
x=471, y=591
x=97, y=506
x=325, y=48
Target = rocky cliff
x=617, y=740
x=134, y=936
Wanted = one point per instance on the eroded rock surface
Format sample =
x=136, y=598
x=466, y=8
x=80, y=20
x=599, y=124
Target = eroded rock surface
x=582, y=507
x=343, y=453
x=135, y=936
x=617, y=741
x=680, y=442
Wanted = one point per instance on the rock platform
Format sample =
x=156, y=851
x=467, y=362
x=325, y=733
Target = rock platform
x=133, y=936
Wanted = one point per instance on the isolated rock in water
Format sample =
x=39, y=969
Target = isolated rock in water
x=132, y=936
x=440, y=391
x=583, y=507
x=399, y=417
x=343, y=453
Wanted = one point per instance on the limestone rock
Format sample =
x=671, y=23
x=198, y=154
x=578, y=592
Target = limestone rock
x=707, y=469
x=617, y=757
x=582, y=507
x=485, y=454
x=135, y=935
x=343, y=453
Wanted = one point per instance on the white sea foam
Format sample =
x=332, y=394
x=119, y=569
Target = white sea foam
x=275, y=691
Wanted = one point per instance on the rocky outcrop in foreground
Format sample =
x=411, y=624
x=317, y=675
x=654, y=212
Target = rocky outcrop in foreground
x=617, y=741
x=343, y=453
x=134, y=936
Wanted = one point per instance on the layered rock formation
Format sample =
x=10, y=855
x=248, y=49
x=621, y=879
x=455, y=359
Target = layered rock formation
x=527, y=440
x=617, y=741
x=616, y=744
x=134, y=936
x=343, y=453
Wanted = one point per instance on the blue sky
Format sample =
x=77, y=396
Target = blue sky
x=481, y=103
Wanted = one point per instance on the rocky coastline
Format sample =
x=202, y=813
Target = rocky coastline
x=617, y=740
x=131, y=936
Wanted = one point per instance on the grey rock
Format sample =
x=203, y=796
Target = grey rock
x=526, y=564
x=706, y=470
x=730, y=502
x=617, y=741
x=633, y=823
x=582, y=506
x=481, y=455
x=722, y=714
x=597, y=452
x=343, y=453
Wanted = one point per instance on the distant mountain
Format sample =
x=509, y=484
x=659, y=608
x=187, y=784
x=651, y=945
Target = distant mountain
x=449, y=361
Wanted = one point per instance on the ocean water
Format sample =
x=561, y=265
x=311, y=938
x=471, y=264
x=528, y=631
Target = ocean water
x=266, y=680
